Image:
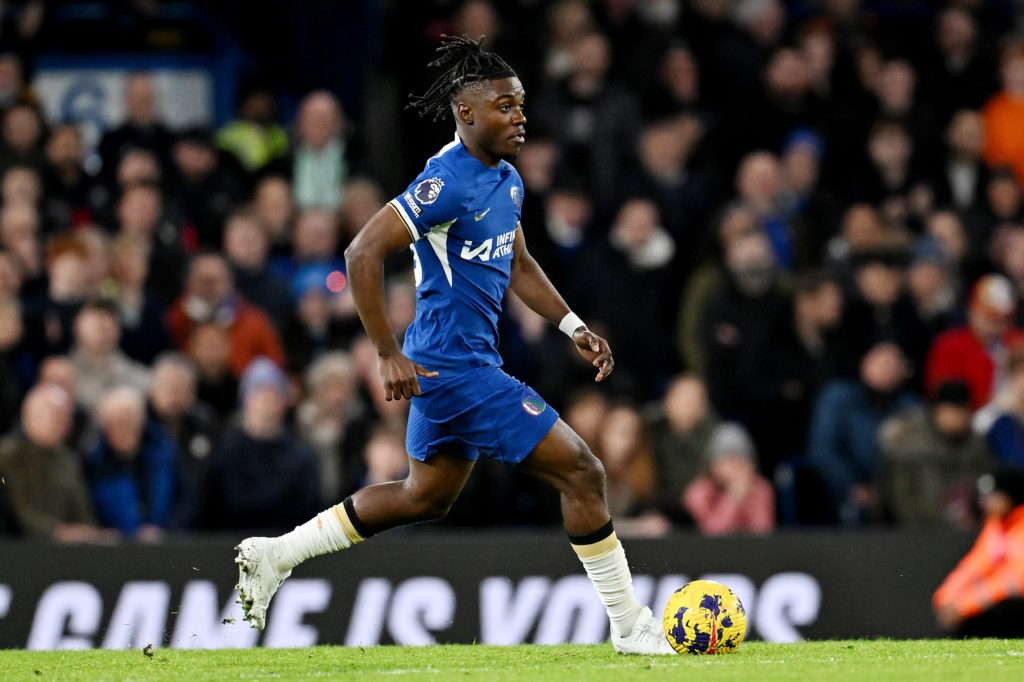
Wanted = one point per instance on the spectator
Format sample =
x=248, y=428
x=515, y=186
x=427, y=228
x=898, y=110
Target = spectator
x=23, y=185
x=961, y=70
x=568, y=22
x=891, y=176
x=930, y=461
x=735, y=221
x=759, y=186
x=320, y=164
x=132, y=467
x=536, y=166
x=142, y=127
x=385, y=457
x=629, y=468
x=140, y=216
x=313, y=327
x=842, y=446
x=246, y=247
x=677, y=88
x=813, y=205
x=361, y=199
x=967, y=261
x=99, y=363
x=1001, y=421
x=963, y=173
x=314, y=241
x=206, y=186
x=138, y=166
x=879, y=308
x=272, y=204
x=671, y=172
x=787, y=368
x=10, y=278
x=21, y=143
x=679, y=434
x=933, y=287
x=262, y=476
x=566, y=219
x=785, y=101
x=13, y=88
x=210, y=296
x=97, y=258
x=729, y=496
x=976, y=353
x=71, y=196
x=1004, y=113
x=43, y=476
x=19, y=236
x=629, y=298
x=254, y=137
x=898, y=100
x=586, y=106
x=585, y=412
x=861, y=230
x=49, y=316
x=979, y=598
x=191, y=424
x=739, y=317
x=209, y=347
x=327, y=420
x=1002, y=207
x=17, y=366
x=60, y=371
x=144, y=333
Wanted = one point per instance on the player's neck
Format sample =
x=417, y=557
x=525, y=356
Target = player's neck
x=478, y=152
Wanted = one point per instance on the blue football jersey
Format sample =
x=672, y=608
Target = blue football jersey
x=462, y=216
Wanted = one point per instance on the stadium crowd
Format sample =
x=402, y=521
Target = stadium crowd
x=799, y=225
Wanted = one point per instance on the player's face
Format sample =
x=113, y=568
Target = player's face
x=501, y=118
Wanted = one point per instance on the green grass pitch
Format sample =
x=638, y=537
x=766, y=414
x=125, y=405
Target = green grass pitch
x=991, y=660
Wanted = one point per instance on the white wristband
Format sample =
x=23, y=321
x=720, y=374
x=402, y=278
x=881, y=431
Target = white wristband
x=570, y=323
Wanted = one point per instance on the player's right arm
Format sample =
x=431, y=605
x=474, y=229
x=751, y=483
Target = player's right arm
x=364, y=260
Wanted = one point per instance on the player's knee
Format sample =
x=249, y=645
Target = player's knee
x=430, y=505
x=588, y=471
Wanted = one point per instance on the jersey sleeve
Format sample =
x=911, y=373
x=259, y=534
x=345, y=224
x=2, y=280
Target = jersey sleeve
x=434, y=198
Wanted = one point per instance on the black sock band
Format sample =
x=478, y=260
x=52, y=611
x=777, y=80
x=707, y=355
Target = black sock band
x=358, y=525
x=590, y=538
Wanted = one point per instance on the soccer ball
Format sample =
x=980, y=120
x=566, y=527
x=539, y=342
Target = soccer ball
x=704, y=617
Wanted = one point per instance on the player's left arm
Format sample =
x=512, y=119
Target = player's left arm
x=530, y=284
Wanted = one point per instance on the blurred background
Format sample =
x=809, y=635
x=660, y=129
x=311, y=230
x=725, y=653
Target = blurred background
x=799, y=224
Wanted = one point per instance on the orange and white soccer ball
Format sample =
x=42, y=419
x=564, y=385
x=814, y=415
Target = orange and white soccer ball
x=704, y=617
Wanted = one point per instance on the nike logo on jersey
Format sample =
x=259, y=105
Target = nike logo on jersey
x=481, y=216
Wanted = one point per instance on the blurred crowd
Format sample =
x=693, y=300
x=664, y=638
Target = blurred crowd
x=800, y=225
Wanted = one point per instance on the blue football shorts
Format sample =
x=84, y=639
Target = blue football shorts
x=480, y=410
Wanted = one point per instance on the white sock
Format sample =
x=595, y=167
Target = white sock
x=322, y=534
x=609, y=573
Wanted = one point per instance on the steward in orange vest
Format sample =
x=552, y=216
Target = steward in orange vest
x=984, y=595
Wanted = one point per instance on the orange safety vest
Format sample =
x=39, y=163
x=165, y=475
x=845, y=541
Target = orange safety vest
x=993, y=569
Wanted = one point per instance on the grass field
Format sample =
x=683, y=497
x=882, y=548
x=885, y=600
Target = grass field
x=856, y=660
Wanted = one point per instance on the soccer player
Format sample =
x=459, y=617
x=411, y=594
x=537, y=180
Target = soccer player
x=461, y=216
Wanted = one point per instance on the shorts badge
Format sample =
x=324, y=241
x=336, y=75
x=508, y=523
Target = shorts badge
x=533, y=403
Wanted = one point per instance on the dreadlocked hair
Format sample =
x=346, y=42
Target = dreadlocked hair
x=464, y=63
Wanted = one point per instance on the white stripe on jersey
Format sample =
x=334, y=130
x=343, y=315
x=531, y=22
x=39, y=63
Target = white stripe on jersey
x=438, y=238
x=409, y=225
x=451, y=145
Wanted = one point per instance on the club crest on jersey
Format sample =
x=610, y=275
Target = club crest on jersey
x=516, y=199
x=427, y=191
